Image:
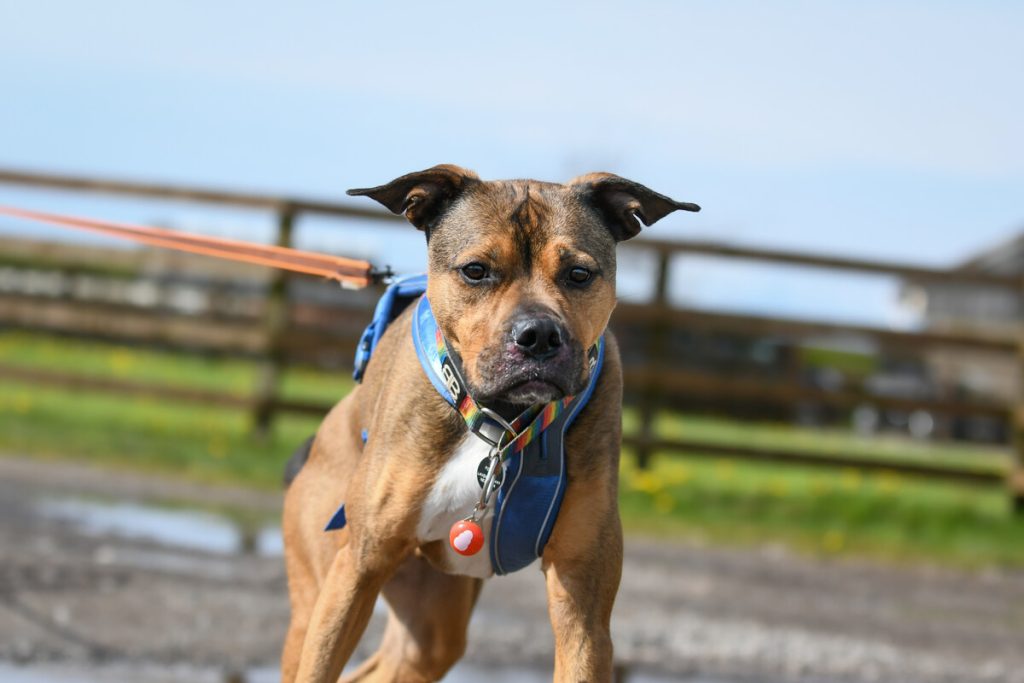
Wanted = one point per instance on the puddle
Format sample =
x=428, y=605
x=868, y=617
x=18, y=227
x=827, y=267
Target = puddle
x=269, y=542
x=177, y=528
x=216, y=537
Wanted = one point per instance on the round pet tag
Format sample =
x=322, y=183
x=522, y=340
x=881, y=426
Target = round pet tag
x=466, y=537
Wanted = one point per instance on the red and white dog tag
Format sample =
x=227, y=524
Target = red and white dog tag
x=466, y=537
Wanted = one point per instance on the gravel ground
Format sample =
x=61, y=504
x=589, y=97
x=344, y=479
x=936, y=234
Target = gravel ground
x=81, y=591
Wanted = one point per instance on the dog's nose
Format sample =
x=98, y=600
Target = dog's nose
x=538, y=338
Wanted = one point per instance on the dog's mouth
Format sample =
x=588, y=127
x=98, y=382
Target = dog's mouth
x=533, y=391
x=502, y=376
x=531, y=385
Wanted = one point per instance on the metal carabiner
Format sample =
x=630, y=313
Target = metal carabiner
x=488, y=488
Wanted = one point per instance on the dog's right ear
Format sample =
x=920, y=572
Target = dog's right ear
x=422, y=196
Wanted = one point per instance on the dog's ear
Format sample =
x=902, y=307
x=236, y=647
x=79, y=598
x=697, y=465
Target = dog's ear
x=422, y=196
x=621, y=202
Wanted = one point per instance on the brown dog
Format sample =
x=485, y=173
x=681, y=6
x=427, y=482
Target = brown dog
x=522, y=283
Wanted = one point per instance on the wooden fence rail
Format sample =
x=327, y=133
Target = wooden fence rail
x=270, y=333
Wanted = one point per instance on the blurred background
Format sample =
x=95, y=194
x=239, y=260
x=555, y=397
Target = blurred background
x=823, y=368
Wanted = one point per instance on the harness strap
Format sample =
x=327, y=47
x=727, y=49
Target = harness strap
x=530, y=496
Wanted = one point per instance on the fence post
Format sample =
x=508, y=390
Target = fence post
x=1015, y=478
x=276, y=323
x=657, y=348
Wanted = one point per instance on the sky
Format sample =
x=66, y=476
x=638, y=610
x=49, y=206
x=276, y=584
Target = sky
x=888, y=130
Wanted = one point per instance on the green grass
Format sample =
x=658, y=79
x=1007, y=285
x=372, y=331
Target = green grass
x=884, y=448
x=203, y=442
x=841, y=512
x=845, y=512
x=161, y=367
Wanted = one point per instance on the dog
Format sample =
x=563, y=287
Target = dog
x=519, y=291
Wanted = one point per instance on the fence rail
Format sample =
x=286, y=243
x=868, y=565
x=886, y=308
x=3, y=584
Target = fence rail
x=277, y=204
x=796, y=258
x=277, y=330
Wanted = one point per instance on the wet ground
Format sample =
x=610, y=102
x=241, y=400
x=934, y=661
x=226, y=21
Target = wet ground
x=109, y=577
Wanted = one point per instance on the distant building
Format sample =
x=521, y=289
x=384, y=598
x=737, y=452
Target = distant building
x=976, y=309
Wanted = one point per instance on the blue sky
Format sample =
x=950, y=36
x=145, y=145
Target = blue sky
x=879, y=129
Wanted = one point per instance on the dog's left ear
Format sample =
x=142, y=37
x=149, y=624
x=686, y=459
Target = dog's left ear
x=422, y=196
x=621, y=202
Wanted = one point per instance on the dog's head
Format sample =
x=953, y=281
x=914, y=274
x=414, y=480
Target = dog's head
x=522, y=273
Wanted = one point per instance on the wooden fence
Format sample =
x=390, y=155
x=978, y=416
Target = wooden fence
x=280, y=320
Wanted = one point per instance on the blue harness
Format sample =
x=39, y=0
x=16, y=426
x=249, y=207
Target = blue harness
x=534, y=477
x=397, y=297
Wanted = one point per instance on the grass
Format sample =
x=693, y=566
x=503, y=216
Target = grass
x=883, y=448
x=843, y=512
x=830, y=512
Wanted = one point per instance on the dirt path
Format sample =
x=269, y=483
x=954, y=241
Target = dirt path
x=82, y=587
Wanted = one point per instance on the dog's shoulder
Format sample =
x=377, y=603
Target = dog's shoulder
x=389, y=351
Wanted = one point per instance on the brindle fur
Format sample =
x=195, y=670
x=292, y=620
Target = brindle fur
x=529, y=232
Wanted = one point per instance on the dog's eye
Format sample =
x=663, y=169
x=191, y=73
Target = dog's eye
x=579, y=275
x=474, y=271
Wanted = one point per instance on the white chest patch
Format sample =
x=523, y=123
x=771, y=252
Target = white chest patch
x=452, y=497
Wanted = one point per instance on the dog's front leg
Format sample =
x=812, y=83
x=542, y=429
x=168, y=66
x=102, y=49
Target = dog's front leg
x=582, y=566
x=343, y=608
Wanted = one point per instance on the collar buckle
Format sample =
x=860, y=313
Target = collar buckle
x=507, y=434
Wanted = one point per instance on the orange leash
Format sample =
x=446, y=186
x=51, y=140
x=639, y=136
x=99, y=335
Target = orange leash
x=351, y=273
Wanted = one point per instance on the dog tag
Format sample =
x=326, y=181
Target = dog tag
x=481, y=474
x=466, y=537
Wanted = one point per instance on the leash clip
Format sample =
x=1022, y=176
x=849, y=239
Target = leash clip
x=488, y=488
x=382, y=276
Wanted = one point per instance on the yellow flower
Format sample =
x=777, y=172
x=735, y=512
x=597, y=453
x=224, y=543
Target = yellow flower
x=889, y=481
x=833, y=541
x=122, y=362
x=820, y=488
x=851, y=479
x=664, y=503
x=647, y=482
x=679, y=476
x=22, y=404
x=725, y=469
x=217, y=447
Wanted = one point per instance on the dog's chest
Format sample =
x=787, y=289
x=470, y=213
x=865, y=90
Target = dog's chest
x=452, y=497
